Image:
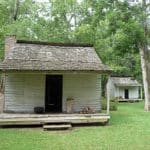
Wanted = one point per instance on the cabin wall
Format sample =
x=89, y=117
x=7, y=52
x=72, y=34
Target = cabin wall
x=85, y=89
x=23, y=92
x=117, y=91
x=121, y=92
x=133, y=92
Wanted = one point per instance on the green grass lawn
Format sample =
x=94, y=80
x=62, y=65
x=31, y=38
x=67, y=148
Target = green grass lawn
x=128, y=129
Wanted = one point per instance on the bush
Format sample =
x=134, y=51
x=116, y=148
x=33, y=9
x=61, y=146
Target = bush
x=113, y=104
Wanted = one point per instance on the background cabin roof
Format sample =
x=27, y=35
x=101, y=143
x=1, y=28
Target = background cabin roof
x=125, y=81
x=43, y=56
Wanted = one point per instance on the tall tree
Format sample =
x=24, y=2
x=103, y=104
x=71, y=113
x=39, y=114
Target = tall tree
x=144, y=53
x=16, y=8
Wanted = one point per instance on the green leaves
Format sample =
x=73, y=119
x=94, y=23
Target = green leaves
x=112, y=26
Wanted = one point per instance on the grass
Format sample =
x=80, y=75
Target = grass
x=128, y=129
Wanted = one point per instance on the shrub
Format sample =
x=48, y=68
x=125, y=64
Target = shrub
x=113, y=104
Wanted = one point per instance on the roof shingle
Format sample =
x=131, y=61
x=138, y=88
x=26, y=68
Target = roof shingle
x=125, y=81
x=30, y=56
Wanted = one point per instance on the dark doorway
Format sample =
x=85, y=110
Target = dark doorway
x=53, y=95
x=126, y=94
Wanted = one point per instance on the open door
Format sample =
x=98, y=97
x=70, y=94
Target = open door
x=53, y=95
x=126, y=94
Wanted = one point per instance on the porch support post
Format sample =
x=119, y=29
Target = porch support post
x=108, y=97
x=2, y=86
x=141, y=93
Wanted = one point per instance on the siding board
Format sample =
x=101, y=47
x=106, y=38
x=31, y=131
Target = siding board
x=23, y=92
x=84, y=88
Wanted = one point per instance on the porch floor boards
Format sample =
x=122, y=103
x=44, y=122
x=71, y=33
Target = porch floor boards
x=129, y=100
x=41, y=119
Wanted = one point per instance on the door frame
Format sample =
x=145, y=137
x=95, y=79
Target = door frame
x=126, y=93
x=60, y=77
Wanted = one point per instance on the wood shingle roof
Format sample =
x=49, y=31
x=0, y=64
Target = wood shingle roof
x=40, y=56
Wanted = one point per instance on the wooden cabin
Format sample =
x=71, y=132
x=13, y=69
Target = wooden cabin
x=49, y=75
x=124, y=88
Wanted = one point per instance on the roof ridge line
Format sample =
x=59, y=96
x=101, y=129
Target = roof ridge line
x=67, y=44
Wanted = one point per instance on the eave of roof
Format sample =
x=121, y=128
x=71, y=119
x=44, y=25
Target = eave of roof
x=126, y=85
x=125, y=81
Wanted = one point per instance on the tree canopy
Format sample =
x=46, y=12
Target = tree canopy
x=112, y=26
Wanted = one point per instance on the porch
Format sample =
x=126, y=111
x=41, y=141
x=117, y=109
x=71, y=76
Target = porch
x=129, y=100
x=52, y=121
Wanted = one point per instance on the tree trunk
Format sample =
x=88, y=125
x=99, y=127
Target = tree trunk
x=146, y=79
x=143, y=47
x=16, y=8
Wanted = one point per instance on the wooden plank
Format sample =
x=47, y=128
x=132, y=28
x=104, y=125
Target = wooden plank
x=23, y=92
x=83, y=121
x=61, y=126
x=89, y=97
x=52, y=119
x=21, y=123
x=50, y=116
x=38, y=122
x=55, y=121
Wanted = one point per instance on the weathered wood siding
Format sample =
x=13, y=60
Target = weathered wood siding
x=23, y=92
x=84, y=88
x=116, y=91
x=133, y=92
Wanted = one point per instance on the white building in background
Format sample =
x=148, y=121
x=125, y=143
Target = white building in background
x=124, y=89
x=133, y=2
x=136, y=2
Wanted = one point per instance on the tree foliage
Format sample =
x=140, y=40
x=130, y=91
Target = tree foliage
x=112, y=26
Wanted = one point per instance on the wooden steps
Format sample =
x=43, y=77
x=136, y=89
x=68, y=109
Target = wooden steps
x=57, y=125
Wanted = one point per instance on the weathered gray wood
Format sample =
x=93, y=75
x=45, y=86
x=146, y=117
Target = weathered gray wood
x=29, y=55
x=1, y=101
x=54, y=119
x=57, y=115
x=85, y=89
x=25, y=91
x=57, y=126
x=108, y=98
x=117, y=86
x=88, y=121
